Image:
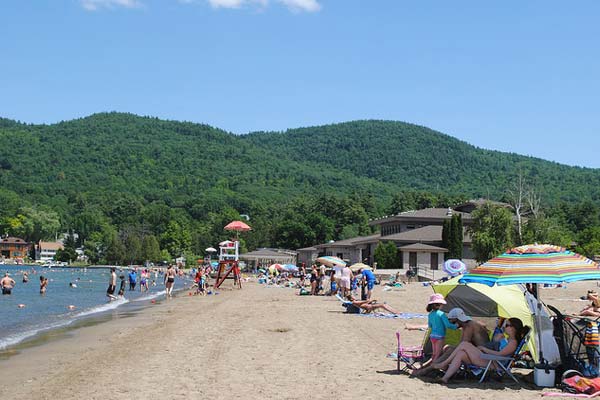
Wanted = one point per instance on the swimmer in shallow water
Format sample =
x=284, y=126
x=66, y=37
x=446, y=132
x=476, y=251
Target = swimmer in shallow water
x=43, y=284
x=7, y=284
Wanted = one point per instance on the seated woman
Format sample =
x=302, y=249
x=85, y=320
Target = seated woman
x=354, y=306
x=467, y=353
x=593, y=310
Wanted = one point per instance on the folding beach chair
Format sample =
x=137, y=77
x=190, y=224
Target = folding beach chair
x=505, y=363
x=409, y=355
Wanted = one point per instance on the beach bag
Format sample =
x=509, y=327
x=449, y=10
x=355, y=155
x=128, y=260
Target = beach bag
x=351, y=308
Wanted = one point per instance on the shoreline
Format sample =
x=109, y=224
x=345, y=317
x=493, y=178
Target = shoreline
x=255, y=343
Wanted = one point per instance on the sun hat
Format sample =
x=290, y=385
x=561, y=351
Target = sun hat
x=459, y=314
x=436, y=298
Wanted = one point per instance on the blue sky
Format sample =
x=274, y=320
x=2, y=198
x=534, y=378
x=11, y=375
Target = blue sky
x=519, y=76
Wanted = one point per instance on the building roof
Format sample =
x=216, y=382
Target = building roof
x=349, y=242
x=50, y=245
x=429, y=233
x=13, y=240
x=438, y=214
x=423, y=247
x=269, y=254
x=311, y=248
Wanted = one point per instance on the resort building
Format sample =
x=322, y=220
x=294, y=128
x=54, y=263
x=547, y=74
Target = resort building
x=46, y=251
x=265, y=257
x=13, y=248
x=417, y=235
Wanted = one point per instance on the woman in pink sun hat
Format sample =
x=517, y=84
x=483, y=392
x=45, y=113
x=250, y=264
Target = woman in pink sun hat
x=438, y=323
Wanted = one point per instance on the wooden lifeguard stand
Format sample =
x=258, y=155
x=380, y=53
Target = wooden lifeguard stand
x=229, y=255
x=228, y=263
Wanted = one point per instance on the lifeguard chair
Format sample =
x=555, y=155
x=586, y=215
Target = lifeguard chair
x=228, y=263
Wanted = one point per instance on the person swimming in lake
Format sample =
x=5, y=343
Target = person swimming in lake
x=7, y=284
x=122, y=287
x=144, y=281
x=43, y=284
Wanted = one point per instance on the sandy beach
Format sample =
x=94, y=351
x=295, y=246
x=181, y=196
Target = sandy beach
x=260, y=342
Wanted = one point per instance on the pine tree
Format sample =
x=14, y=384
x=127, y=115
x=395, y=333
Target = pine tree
x=457, y=238
x=446, y=238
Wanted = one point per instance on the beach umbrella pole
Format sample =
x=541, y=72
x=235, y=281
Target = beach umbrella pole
x=538, y=318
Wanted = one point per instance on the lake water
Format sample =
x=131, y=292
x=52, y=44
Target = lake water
x=51, y=311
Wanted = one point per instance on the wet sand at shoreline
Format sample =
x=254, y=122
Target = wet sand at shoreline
x=251, y=344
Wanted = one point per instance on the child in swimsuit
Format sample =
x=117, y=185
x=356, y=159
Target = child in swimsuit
x=438, y=323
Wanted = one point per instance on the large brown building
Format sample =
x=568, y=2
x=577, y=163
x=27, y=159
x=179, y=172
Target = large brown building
x=417, y=235
x=13, y=247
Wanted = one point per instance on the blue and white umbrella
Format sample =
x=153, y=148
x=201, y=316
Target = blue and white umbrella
x=290, y=268
x=454, y=267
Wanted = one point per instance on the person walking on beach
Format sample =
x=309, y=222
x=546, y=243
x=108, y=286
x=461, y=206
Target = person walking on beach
x=112, y=284
x=132, y=280
x=43, y=284
x=369, y=278
x=169, y=281
x=7, y=283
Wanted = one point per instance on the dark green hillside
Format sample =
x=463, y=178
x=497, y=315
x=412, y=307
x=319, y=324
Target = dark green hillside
x=408, y=155
x=119, y=179
x=184, y=164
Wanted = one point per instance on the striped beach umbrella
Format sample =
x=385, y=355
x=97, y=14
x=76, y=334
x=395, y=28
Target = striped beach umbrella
x=546, y=264
x=538, y=264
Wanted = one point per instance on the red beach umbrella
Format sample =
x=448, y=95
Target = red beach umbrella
x=238, y=226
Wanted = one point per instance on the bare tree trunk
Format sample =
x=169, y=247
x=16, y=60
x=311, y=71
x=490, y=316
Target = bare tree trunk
x=517, y=197
x=534, y=201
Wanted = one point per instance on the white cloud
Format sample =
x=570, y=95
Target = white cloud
x=93, y=5
x=302, y=5
x=294, y=5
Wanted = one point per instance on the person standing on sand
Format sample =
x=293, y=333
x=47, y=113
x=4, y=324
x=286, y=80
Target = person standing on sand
x=344, y=281
x=314, y=280
x=7, y=283
x=302, y=275
x=112, y=285
x=369, y=278
x=169, y=281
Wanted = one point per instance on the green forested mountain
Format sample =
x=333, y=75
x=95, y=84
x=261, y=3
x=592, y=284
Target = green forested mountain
x=412, y=156
x=114, y=176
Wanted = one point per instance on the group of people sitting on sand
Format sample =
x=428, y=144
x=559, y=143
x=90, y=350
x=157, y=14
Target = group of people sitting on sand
x=475, y=340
